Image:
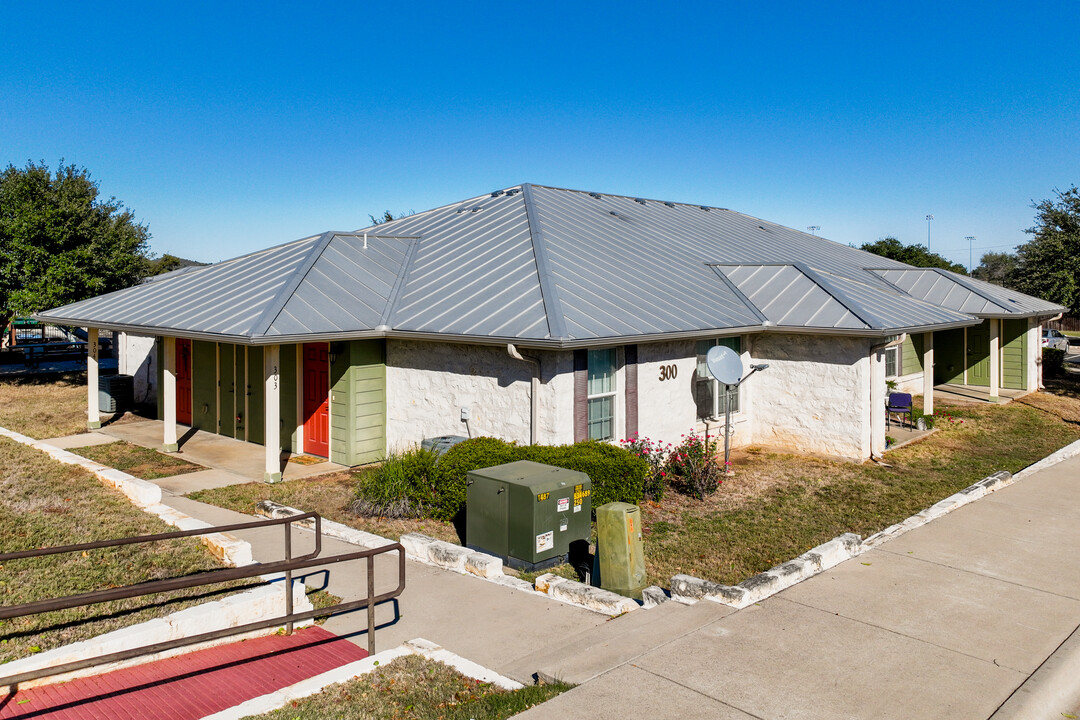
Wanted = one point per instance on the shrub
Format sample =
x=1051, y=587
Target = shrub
x=655, y=455
x=694, y=466
x=403, y=486
x=454, y=466
x=1053, y=361
x=617, y=475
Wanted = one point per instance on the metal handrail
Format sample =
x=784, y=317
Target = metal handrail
x=286, y=566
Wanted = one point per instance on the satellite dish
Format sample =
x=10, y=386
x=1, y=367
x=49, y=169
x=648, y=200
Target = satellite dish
x=724, y=364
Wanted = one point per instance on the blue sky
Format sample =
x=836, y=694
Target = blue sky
x=227, y=127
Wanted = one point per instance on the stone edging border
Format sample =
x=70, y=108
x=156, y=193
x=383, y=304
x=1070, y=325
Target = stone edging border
x=688, y=589
x=465, y=561
x=314, y=685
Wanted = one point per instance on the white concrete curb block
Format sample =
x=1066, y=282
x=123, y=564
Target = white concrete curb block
x=265, y=601
x=586, y=596
x=311, y=686
x=366, y=540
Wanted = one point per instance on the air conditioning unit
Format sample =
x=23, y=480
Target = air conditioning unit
x=115, y=392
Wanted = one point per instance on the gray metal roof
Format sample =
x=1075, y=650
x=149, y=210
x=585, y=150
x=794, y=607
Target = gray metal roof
x=538, y=266
x=965, y=294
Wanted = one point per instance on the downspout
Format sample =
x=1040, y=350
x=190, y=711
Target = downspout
x=534, y=402
x=874, y=349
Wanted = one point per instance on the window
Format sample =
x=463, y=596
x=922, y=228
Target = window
x=712, y=401
x=601, y=394
x=891, y=368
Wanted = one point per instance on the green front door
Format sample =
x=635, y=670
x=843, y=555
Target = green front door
x=949, y=358
x=978, y=354
x=227, y=389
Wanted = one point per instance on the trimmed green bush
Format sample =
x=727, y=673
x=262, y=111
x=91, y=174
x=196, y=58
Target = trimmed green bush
x=1053, y=362
x=456, y=463
x=617, y=474
x=415, y=484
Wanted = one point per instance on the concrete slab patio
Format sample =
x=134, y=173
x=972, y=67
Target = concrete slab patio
x=241, y=459
x=948, y=620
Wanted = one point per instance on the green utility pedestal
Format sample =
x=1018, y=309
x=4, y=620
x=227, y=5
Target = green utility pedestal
x=619, y=548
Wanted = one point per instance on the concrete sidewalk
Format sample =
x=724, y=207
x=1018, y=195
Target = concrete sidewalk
x=947, y=620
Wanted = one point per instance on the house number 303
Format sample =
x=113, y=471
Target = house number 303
x=669, y=372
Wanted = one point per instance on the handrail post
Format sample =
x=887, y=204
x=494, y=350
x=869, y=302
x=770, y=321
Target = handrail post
x=288, y=579
x=371, y=604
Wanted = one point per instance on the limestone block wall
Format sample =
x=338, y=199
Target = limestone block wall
x=428, y=383
x=667, y=408
x=815, y=396
x=136, y=355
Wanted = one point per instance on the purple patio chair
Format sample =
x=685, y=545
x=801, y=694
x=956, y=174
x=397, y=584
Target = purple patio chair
x=899, y=404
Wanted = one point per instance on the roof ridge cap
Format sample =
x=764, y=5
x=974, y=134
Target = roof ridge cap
x=548, y=290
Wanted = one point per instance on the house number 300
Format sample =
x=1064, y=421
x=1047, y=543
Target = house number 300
x=669, y=372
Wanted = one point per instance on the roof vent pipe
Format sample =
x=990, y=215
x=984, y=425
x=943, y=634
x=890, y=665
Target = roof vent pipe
x=534, y=395
x=365, y=241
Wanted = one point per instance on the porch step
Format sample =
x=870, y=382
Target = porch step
x=618, y=641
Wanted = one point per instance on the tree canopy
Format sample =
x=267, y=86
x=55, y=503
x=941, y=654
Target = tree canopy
x=60, y=242
x=1049, y=264
x=916, y=255
x=998, y=268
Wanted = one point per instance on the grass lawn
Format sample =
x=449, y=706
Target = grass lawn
x=44, y=406
x=141, y=462
x=779, y=506
x=415, y=688
x=330, y=496
x=47, y=503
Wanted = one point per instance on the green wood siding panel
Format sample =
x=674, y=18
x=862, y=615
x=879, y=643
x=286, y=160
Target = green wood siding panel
x=949, y=356
x=227, y=388
x=204, y=385
x=911, y=355
x=287, y=368
x=255, y=394
x=978, y=354
x=1014, y=354
x=358, y=402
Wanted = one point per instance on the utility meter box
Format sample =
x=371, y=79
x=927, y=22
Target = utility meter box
x=619, y=549
x=527, y=513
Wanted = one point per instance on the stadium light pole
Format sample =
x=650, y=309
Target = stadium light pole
x=813, y=229
x=928, y=219
x=970, y=239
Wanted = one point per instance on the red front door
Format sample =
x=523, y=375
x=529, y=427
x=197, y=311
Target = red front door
x=183, y=381
x=317, y=399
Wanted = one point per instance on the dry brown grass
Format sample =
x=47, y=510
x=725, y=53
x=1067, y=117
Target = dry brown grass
x=45, y=504
x=779, y=505
x=145, y=463
x=49, y=406
x=330, y=496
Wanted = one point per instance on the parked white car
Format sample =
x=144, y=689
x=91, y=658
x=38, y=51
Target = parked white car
x=1054, y=339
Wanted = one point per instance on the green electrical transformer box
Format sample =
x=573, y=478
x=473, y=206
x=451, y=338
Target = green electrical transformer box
x=619, y=549
x=527, y=513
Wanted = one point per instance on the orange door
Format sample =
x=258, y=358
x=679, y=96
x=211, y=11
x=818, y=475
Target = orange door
x=317, y=399
x=183, y=381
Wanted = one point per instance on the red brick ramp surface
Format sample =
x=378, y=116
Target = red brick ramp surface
x=193, y=685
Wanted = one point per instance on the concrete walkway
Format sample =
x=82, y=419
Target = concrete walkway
x=947, y=620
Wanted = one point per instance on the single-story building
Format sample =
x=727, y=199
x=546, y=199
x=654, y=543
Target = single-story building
x=538, y=314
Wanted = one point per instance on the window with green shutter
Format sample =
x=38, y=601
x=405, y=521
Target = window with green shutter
x=601, y=394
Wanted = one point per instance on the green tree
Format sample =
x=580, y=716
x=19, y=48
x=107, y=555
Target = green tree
x=60, y=243
x=915, y=255
x=1049, y=263
x=996, y=267
x=388, y=216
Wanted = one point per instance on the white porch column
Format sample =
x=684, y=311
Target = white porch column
x=928, y=374
x=168, y=389
x=1033, y=360
x=995, y=358
x=93, y=409
x=272, y=405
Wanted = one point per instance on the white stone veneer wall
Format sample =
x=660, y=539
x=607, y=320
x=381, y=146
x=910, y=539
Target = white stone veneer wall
x=815, y=395
x=428, y=383
x=136, y=355
x=667, y=409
